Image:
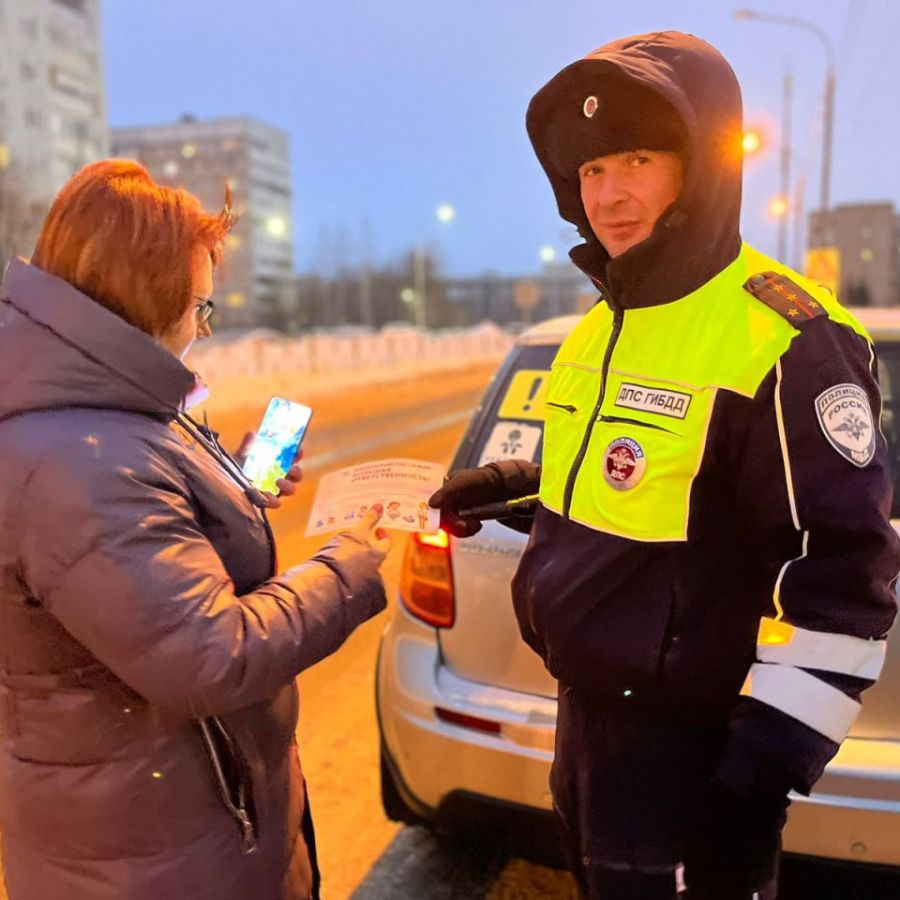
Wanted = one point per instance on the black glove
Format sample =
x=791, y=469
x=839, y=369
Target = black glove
x=735, y=846
x=493, y=483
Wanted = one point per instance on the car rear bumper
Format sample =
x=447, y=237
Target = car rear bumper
x=445, y=769
x=533, y=834
x=854, y=812
x=435, y=758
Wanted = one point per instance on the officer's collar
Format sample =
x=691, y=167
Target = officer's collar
x=672, y=263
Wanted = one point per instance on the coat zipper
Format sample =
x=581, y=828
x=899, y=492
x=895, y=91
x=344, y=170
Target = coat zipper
x=229, y=460
x=206, y=438
x=238, y=810
x=618, y=317
x=565, y=407
x=625, y=421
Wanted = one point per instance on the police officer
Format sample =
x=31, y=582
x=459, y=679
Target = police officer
x=710, y=566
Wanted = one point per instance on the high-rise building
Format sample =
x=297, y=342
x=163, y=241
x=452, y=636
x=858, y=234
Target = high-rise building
x=867, y=237
x=52, y=98
x=254, y=286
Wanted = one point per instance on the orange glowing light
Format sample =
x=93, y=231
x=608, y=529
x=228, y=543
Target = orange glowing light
x=778, y=207
x=751, y=142
x=439, y=539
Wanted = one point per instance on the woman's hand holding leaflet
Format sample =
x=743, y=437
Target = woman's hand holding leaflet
x=365, y=531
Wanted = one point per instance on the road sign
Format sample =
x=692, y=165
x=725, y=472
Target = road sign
x=525, y=396
x=527, y=297
x=823, y=265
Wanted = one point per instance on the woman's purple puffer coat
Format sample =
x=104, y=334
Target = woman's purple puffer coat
x=148, y=650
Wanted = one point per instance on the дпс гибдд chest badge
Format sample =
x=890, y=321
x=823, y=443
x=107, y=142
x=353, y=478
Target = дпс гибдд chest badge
x=846, y=418
x=624, y=463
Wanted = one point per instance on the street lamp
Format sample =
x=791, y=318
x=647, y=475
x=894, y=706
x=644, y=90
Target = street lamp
x=548, y=254
x=828, y=123
x=276, y=226
x=787, y=205
x=778, y=207
x=751, y=142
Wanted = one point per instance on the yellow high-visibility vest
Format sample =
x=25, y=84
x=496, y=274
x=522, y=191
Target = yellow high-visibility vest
x=631, y=396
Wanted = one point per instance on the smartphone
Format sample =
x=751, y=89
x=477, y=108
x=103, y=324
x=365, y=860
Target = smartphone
x=277, y=440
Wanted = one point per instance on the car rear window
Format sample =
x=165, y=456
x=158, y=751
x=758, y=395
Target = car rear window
x=889, y=381
x=509, y=423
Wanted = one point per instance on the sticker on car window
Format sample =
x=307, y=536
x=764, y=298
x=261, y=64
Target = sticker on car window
x=511, y=440
x=525, y=395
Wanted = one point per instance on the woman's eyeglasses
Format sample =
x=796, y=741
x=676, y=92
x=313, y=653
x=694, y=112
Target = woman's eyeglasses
x=205, y=309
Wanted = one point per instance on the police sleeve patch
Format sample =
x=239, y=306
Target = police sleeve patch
x=846, y=419
x=784, y=296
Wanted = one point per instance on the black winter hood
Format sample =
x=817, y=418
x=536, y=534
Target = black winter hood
x=699, y=235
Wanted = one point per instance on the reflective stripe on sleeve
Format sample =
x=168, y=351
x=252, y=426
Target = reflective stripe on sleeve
x=779, y=642
x=803, y=697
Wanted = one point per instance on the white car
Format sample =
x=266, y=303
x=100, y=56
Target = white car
x=467, y=711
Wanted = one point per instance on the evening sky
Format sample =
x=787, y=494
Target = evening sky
x=396, y=106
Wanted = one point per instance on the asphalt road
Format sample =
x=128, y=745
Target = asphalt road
x=362, y=855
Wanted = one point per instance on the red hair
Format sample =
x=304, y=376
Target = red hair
x=128, y=242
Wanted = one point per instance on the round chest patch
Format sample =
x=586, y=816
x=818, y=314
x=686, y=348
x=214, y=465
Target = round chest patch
x=590, y=106
x=624, y=463
x=846, y=419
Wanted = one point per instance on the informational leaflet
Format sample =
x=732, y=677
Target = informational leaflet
x=401, y=486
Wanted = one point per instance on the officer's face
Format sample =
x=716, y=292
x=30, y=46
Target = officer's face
x=623, y=195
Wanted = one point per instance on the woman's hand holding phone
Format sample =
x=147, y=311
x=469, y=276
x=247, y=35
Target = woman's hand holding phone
x=269, y=457
x=287, y=486
x=378, y=539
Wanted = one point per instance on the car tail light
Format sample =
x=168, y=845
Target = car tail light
x=466, y=721
x=426, y=582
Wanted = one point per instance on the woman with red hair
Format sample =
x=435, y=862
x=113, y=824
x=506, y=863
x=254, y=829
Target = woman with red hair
x=148, y=644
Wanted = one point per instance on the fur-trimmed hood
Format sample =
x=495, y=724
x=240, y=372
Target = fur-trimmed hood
x=700, y=233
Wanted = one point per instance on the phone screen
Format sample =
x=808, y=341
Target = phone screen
x=277, y=441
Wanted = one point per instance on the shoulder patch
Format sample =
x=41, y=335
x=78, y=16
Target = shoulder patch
x=786, y=297
x=845, y=418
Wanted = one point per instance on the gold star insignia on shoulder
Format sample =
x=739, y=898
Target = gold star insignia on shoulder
x=785, y=297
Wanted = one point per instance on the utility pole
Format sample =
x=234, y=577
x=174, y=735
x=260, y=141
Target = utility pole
x=785, y=165
x=366, y=317
x=814, y=28
x=827, y=141
x=420, y=286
